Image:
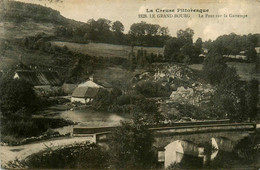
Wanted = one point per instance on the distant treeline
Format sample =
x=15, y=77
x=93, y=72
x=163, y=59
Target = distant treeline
x=233, y=44
x=106, y=31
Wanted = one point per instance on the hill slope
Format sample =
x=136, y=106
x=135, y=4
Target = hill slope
x=19, y=20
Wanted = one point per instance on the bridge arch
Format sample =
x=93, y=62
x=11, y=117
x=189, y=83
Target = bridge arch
x=182, y=150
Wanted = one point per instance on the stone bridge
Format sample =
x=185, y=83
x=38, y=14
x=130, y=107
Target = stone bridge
x=186, y=141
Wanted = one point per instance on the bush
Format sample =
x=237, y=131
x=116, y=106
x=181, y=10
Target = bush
x=79, y=156
x=152, y=89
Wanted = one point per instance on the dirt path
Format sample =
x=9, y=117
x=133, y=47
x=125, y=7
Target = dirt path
x=10, y=153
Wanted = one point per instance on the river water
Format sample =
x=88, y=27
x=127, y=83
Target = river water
x=89, y=118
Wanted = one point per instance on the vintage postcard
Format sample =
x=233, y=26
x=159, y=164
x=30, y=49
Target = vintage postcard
x=129, y=84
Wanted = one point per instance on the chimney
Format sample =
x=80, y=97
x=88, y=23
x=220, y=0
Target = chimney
x=91, y=78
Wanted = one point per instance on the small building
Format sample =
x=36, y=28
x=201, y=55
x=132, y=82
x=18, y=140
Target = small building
x=84, y=94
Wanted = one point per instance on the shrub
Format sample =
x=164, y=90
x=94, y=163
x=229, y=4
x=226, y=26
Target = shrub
x=79, y=156
x=152, y=89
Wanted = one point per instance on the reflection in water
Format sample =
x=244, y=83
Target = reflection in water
x=219, y=153
x=242, y=154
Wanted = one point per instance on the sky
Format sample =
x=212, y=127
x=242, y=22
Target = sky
x=127, y=11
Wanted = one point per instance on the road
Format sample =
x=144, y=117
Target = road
x=10, y=153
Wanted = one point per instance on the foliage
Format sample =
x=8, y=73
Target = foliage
x=233, y=44
x=152, y=89
x=232, y=99
x=17, y=94
x=182, y=49
x=19, y=124
x=118, y=27
x=131, y=147
x=146, y=34
x=104, y=99
x=172, y=50
x=80, y=156
x=252, y=97
x=214, y=67
x=146, y=112
x=229, y=98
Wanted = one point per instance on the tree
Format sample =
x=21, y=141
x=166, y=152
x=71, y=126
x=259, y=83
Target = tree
x=15, y=95
x=214, y=67
x=172, y=49
x=103, y=100
x=118, y=27
x=146, y=112
x=185, y=36
x=198, y=47
x=99, y=30
x=229, y=98
x=252, y=98
x=251, y=55
x=148, y=34
x=131, y=147
x=18, y=102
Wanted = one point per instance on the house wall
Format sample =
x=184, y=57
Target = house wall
x=76, y=99
x=69, y=88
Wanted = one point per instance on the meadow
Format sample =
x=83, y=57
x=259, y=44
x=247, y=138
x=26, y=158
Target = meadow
x=106, y=50
x=246, y=71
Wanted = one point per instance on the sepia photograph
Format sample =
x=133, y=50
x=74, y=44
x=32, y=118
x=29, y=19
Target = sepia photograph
x=130, y=84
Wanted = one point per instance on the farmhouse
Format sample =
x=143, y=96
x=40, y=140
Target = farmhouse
x=39, y=79
x=84, y=94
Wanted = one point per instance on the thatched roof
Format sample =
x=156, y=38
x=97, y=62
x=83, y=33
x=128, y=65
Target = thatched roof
x=39, y=77
x=90, y=83
x=85, y=92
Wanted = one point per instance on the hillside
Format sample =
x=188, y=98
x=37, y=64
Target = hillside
x=22, y=19
x=19, y=20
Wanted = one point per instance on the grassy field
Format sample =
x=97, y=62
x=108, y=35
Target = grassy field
x=246, y=71
x=106, y=50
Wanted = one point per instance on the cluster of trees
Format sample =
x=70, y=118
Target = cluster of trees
x=145, y=34
x=101, y=30
x=142, y=59
x=233, y=44
x=233, y=98
x=18, y=102
x=182, y=49
x=106, y=31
